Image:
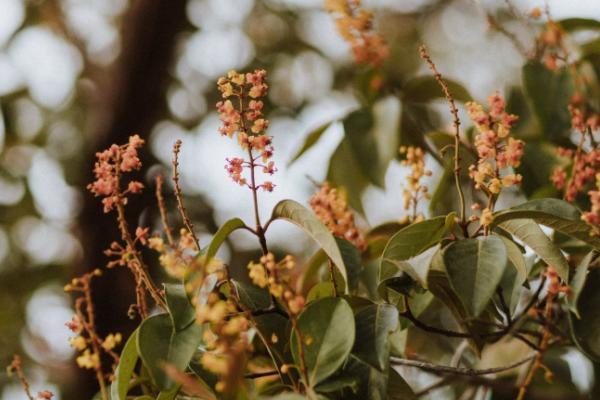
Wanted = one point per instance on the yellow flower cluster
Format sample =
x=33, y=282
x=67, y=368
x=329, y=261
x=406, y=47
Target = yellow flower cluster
x=176, y=260
x=226, y=340
x=414, y=190
x=276, y=276
x=355, y=25
x=332, y=209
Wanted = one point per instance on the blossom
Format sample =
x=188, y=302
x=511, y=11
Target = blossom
x=111, y=341
x=241, y=114
x=78, y=343
x=332, y=209
x=88, y=360
x=45, y=395
x=107, y=171
x=355, y=25
x=414, y=190
x=496, y=150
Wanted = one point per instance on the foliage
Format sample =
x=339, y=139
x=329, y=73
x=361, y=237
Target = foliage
x=369, y=301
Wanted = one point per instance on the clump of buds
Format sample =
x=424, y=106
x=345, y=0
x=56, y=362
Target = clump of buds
x=111, y=163
x=241, y=115
x=497, y=151
x=414, y=190
x=332, y=209
x=355, y=25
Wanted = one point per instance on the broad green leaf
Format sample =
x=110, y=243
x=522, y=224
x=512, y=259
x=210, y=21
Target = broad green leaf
x=573, y=24
x=532, y=235
x=320, y=290
x=352, y=261
x=374, y=324
x=423, y=89
x=170, y=394
x=358, y=130
x=586, y=329
x=285, y=396
x=180, y=309
x=344, y=171
x=438, y=283
x=516, y=258
x=220, y=236
x=514, y=275
x=549, y=93
x=475, y=268
x=398, y=389
x=371, y=383
x=124, y=371
x=327, y=330
x=313, y=267
x=312, y=138
x=409, y=242
x=578, y=282
x=553, y=213
x=158, y=343
x=387, y=112
x=251, y=296
x=299, y=215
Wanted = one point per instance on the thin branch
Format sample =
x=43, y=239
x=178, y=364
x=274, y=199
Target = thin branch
x=179, y=196
x=446, y=370
x=15, y=367
x=163, y=210
x=260, y=374
x=438, y=77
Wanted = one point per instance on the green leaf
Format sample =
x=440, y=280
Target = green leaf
x=251, y=296
x=578, y=282
x=220, y=236
x=158, y=343
x=371, y=383
x=326, y=327
x=515, y=273
x=344, y=171
x=320, y=291
x=553, y=213
x=409, y=242
x=423, y=89
x=358, y=129
x=548, y=93
x=398, y=389
x=299, y=215
x=573, y=24
x=352, y=261
x=180, y=309
x=532, y=235
x=475, y=268
x=312, y=138
x=374, y=324
x=169, y=394
x=124, y=371
x=586, y=330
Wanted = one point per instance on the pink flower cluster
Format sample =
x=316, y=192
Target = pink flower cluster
x=241, y=114
x=584, y=169
x=108, y=169
x=496, y=150
x=592, y=217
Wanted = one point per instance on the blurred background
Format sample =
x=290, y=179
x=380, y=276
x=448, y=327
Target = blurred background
x=78, y=75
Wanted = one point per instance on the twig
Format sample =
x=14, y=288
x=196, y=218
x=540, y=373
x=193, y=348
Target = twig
x=15, y=366
x=163, y=210
x=260, y=374
x=179, y=196
x=446, y=370
x=438, y=77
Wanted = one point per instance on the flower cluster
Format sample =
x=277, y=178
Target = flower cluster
x=226, y=341
x=592, y=217
x=275, y=276
x=241, y=114
x=550, y=45
x=583, y=171
x=414, y=190
x=496, y=150
x=355, y=25
x=332, y=209
x=108, y=169
x=176, y=259
x=16, y=368
x=86, y=339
